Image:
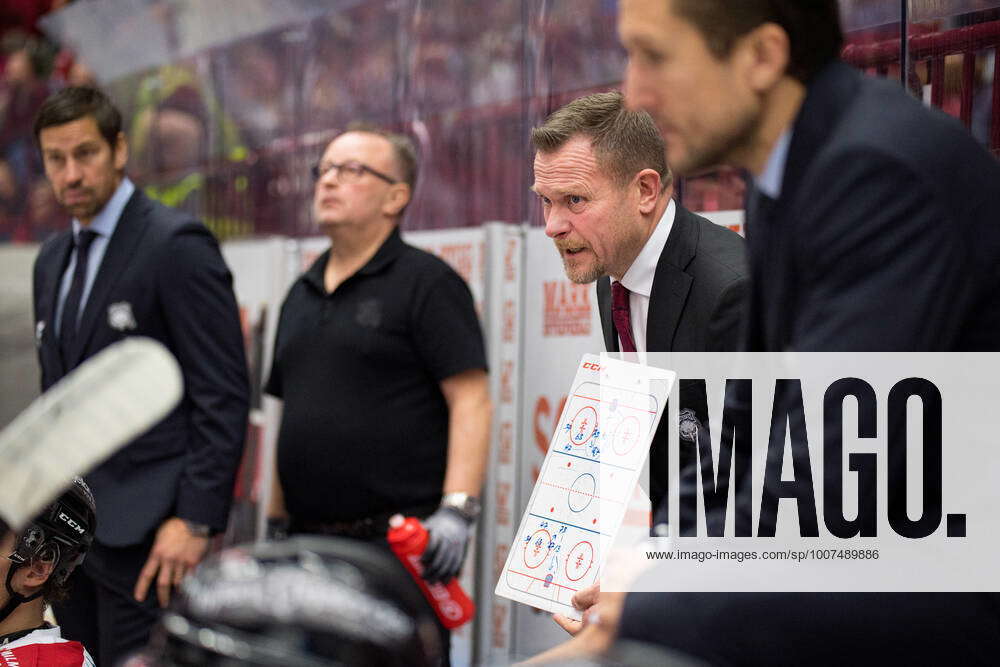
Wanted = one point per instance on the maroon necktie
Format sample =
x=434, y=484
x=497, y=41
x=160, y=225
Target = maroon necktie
x=621, y=315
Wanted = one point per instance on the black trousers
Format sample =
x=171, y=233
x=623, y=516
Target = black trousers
x=818, y=629
x=100, y=611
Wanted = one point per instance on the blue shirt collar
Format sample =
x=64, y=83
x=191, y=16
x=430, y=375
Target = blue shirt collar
x=769, y=182
x=105, y=222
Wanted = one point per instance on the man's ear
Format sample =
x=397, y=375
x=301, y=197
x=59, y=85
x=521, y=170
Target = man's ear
x=763, y=56
x=396, y=199
x=30, y=577
x=120, y=151
x=648, y=182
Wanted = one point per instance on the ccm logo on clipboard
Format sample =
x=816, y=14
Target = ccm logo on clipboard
x=591, y=366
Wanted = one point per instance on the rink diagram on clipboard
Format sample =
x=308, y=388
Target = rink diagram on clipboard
x=583, y=488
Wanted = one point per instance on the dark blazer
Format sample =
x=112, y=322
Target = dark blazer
x=697, y=304
x=885, y=236
x=164, y=277
x=699, y=289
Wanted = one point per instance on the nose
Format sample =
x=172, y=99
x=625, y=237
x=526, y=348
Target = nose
x=72, y=173
x=556, y=224
x=328, y=180
x=635, y=96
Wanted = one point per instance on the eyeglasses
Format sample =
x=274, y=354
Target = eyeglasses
x=349, y=172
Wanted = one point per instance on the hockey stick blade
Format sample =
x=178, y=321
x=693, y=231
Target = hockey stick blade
x=106, y=402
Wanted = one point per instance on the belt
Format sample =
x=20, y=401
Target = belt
x=366, y=528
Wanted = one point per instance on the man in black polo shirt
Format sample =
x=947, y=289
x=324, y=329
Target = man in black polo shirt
x=379, y=361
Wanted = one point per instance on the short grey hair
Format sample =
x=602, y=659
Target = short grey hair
x=402, y=148
x=625, y=142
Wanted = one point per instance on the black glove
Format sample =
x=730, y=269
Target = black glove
x=449, y=539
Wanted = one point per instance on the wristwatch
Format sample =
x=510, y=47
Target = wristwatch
x=466, y=505
x=198, y=529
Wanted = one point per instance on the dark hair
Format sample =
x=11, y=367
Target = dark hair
x=813, y=27
x=54, y=592
x=625, y=142
x=61, y=536
x=76, y=102
x=41, y=54
x=402, y=148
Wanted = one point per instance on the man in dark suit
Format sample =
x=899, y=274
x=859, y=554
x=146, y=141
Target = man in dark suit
x=698, y=290
x=873, y=227
x=667, y=279
x=130, y=266
x=606, y=193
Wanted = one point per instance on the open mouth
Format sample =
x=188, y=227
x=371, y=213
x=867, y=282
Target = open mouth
x=573, y=251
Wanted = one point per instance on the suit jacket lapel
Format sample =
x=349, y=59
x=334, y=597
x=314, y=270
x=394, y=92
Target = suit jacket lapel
x=604, y=307
x=774, y=302
x=120, y=251
x=828, y=96
x=671, y=284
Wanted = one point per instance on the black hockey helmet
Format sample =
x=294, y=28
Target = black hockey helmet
x=61, y=534
x=304, y=601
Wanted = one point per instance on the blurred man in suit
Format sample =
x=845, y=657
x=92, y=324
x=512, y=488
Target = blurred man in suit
x=860, y=232
x=129, y=266
x=865, y=200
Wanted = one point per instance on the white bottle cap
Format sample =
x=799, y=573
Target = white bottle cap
x=396, y=521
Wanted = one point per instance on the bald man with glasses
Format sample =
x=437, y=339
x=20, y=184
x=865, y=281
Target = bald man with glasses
x=380, y=364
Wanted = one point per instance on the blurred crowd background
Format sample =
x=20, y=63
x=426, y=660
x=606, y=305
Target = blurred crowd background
x=229, y=102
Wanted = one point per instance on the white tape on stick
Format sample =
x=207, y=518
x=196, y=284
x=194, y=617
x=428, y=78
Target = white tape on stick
x=99, y=407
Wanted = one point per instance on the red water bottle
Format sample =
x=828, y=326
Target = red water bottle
x=408, y=540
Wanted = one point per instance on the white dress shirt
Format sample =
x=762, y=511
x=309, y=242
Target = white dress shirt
x=639, y=278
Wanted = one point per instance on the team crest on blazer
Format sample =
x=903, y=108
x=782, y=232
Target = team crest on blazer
x=39, y=332
x=120, y=316
x=689, y=425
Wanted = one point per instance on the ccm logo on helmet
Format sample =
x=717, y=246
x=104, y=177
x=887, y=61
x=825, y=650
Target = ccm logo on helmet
x=71, y=523
x=591, y=366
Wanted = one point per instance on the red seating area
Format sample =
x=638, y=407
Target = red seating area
x=229, y=131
